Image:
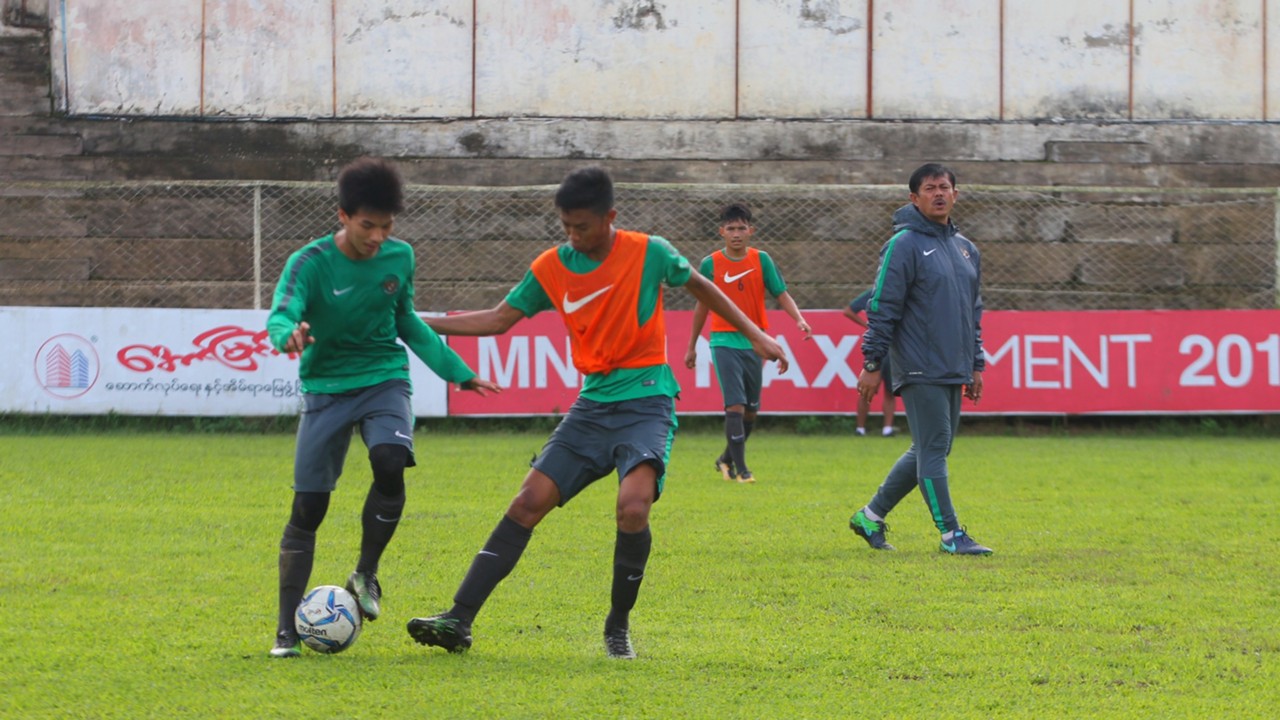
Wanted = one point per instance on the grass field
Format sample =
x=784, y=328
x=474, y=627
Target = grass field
x=1133, y=577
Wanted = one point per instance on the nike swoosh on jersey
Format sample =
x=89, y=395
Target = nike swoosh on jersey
x=927, y=253
x=734, y=278
x=343, y=291
x=573, y=306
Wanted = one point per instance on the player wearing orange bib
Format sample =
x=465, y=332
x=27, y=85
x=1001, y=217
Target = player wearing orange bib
x=606, y=284
x=744, y=274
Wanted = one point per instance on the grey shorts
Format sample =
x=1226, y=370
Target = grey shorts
x=383, y=412
x=740, y=373
x=595, y=438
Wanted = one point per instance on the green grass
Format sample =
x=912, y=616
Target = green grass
x=1133, y=577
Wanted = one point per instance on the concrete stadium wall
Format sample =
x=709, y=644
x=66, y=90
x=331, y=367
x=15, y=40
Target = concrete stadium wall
x=647, y=59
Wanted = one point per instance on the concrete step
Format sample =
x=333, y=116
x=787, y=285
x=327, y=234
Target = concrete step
x=26, y=106
x=41, y=144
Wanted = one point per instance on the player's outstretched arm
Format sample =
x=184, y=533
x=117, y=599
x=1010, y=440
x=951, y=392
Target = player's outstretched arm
x=494, y=321
x=699, y=319
x=707, y=294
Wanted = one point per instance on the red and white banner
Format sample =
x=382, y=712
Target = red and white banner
x=216, y=362
x=151, y=361
x=1132, y=362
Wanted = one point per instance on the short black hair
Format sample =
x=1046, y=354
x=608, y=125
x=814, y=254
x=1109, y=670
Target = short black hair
x=930, y=170
x=733, y=212
x=370, y=183
x=588, y=188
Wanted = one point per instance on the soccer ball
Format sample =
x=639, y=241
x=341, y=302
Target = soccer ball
x=328, y=619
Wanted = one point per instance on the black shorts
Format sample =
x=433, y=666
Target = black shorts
x=383, y=412
x=596, y=438
x=740, y=373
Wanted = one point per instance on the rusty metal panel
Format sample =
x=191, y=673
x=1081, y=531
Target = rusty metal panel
x=803, y=59
x=1066, y=60
x=398, y=59
x=620, y=59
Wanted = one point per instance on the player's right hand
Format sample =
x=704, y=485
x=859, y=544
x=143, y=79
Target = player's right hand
x=770, y=349
x=480, y=386
x=300, y=338
x=691, y=358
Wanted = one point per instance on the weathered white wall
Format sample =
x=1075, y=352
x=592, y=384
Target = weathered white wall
x=1067, y=59
x=398, y=59
x=1198, y=59
x=582, y=58
x=936, y=59
x=817, y=67
x=663, y=59
x=131, y=58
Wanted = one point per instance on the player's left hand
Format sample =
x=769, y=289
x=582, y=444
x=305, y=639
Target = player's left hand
x=973, y=390
x=480, y=386
x=803, y=327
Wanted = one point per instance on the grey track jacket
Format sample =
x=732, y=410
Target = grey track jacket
x=925, y=311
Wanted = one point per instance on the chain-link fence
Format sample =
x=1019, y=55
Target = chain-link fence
x=223, y=244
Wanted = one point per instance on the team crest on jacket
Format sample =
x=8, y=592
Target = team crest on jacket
x=390, y=284
x=965, y=253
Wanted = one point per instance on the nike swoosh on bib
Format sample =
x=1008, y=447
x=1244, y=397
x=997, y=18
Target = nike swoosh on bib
x=343, y=291
x=731, y=278
x=927, y=253
x=573, y=306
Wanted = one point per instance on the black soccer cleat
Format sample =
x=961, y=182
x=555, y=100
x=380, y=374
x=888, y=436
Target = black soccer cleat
x=962, y=544
x=726, y=469
x=443, y=631
x=287, y=645
x=617, y=643
x=870, y=530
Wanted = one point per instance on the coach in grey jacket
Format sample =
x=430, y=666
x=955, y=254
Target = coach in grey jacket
x=925, y=314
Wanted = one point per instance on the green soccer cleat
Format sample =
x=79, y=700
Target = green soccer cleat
x=443, y=630
x=870, y=530
x=367, y=592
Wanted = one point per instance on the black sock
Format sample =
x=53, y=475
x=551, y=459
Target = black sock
x=493, y=563
x=380, y=518
x=297, y=553
x=746, y=429
x=737, y=435
x=630, y=555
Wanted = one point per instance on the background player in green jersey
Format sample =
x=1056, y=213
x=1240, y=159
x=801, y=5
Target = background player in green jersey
x=342, y=302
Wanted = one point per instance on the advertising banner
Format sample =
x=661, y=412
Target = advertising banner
x=1102, y=362
x=137, y=361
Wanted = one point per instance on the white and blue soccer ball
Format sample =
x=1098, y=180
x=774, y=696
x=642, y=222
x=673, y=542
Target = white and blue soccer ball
x=328, y=619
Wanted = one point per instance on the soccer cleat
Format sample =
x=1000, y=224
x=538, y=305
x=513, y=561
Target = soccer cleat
x=725, y=468
x=746, y=477
x=287, y=645
x=368, y=593
x=870, y=530
x=617, y=643
x=443, y=630
x=962, y=544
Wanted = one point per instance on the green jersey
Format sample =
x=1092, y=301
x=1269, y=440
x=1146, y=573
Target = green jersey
x=662, y=264
x=773, y=283
x=356, y=309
